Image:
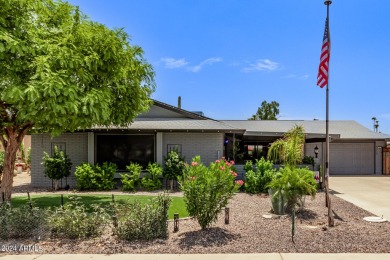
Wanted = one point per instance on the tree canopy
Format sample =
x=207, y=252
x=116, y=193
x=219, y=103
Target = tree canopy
x=60, y=71
x=267, y=111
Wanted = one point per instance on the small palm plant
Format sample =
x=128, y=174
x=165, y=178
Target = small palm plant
x=289, y=149
x=291, y=183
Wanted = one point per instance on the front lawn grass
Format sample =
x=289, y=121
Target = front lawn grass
x=49, y=201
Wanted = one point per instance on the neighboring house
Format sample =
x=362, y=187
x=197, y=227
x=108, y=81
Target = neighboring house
x=354, y=148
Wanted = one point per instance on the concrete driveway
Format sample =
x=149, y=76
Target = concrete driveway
x=371, y=193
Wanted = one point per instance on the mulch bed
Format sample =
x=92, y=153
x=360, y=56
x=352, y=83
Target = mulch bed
x=250, y=232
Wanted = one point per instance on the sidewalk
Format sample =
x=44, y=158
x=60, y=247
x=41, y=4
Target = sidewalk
x=270, y=256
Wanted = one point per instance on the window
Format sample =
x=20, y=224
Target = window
x=123, y=149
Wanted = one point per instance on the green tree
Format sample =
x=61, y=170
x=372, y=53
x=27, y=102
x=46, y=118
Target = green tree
x=174, y=167
x=267, y=111
x=60, y=71
x=57, y=166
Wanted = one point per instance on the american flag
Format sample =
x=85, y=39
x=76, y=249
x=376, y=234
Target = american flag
x=322, y=78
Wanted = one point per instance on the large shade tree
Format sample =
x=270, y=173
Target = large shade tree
x=267, y=111
x=60, y=71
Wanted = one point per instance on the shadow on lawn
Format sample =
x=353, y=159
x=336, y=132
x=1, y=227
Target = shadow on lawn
x=207, y=238
x=56, y=201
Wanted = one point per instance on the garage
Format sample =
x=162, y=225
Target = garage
x=352, y=158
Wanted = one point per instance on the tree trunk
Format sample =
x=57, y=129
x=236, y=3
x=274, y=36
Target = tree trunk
x=56, y=184
x=171, y=184
x=11, y=145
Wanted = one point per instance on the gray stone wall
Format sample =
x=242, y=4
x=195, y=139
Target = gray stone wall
x=208, y=145
x=76, y=145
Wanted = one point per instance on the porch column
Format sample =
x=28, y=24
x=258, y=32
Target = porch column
x=159, y=148
x=91, y=148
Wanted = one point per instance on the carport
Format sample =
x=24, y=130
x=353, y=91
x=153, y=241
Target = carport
x=354, y=149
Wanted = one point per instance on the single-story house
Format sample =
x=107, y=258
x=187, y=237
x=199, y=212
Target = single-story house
x=354, y=149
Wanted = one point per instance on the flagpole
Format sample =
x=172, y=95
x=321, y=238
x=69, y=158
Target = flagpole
x=328, y=201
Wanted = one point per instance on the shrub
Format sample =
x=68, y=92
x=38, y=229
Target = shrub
x=152, y=180
x=308, y=160
x=174, y=166
x=21, y=222
x=259, y=176
x=57, y=166
x=96, y=177
x=248, y=166
x=294, y=184
x=74, y=221
x=143, y=221
x=131, y=181
x=208, y=189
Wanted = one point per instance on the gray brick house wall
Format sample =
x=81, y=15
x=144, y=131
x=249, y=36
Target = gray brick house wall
x=76, y=145
x=208, y=145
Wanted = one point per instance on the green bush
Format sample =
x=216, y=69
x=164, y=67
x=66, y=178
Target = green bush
x=208, y=189
x=21, y=222
x=143, y=221
x=57, y=166
x=74, y=221
x=248, y=166
x=174, y=167
x=152, y=180
x=294, y=184
x=89, y=177
x=131, y=181
x=308, y=160
x=259, y=176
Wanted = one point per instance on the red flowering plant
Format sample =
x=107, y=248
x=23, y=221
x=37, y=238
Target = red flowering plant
x=207, y=190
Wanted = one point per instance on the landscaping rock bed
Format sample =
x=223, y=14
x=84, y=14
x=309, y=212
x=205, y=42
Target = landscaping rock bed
x=250, y=232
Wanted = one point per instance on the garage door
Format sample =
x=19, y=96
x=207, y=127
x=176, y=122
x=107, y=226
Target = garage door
x=352, y=158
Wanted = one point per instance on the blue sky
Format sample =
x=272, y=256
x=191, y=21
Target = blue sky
x=224, y=57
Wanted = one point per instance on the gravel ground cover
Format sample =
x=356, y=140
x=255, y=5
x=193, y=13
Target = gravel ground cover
x=250, y=232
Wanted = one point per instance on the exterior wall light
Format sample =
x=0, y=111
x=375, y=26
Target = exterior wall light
x=316, y=151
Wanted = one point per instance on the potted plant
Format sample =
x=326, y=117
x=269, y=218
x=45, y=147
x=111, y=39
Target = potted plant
x=289, y=187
